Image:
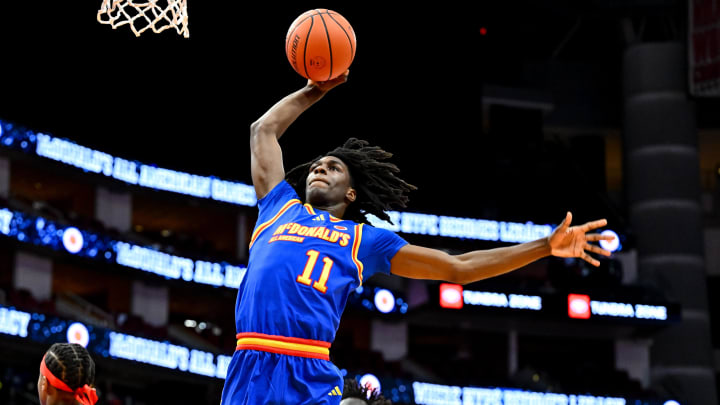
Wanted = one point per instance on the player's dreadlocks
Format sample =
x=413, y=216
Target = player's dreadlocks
x=71, y=363
x=375, y=181
x=351, y=389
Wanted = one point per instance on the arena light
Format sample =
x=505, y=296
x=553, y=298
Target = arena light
x=370, y=382
x=384, y=301
x=579, y=306
x=610, y=245
x=377, y=300
x=78, y=333
x=451, y=296
x=72, y=238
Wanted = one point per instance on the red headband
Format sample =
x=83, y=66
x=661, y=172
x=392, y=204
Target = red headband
x=85, y=394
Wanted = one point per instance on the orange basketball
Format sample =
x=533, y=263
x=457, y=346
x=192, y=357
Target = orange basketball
x=320, y=44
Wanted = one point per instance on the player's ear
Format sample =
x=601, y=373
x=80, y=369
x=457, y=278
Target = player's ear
x=42, y=389
x=49, y=389
x=42, y=383
x=350, y=194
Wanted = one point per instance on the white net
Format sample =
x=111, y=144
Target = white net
x=156, y=15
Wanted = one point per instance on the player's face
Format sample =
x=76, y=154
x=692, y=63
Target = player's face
x=328, y=182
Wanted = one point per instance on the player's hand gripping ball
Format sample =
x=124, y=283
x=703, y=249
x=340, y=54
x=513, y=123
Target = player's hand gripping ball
x=320, y=44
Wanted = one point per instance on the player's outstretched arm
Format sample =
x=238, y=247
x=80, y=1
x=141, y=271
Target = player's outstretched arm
x=565, y=241
x=265, y=153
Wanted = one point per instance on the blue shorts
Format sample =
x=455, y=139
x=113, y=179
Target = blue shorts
x=258, y=377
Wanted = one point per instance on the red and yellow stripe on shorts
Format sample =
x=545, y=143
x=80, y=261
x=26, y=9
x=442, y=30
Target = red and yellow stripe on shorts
x=292, y=346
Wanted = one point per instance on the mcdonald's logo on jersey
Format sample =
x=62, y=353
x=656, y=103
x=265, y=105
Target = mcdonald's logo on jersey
x=320, y=232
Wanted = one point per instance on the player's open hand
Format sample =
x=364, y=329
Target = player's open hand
x=329, y=84
x=574, y=241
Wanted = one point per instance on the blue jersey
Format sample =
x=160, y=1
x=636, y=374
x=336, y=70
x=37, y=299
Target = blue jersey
x=303, y=265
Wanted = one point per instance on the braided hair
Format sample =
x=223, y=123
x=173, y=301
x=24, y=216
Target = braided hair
x=375, y=181
x=71, y=363
x=351, y=389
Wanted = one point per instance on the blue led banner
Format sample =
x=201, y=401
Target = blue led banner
x=465, y=228
x=49, y=329
x=157, y=178
x=436, y=394
x=43, y=232
x=128, y=171
x=403, y=391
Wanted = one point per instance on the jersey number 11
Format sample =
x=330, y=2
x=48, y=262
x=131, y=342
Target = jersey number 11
x=304, y=278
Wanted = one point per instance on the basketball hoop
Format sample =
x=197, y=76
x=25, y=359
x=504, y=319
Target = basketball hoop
x=142, y=15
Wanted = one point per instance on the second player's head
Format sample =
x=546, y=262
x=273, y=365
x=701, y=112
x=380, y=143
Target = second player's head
x=356, y=175
x=67, y=373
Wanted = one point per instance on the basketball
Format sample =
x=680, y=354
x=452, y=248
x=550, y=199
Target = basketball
x=320, y=44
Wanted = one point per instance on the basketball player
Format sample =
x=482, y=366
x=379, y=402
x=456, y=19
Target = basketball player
x=312, y=246
x=67, y=373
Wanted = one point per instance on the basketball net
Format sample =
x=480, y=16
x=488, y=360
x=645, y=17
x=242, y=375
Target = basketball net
x=146, y=14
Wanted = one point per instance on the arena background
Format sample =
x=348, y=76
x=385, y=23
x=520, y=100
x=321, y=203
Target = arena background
x=504, y=114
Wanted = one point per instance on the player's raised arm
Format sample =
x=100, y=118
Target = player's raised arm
x=565, y=241
x=265, y=154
